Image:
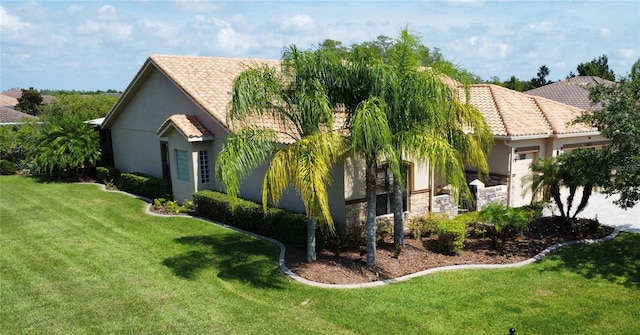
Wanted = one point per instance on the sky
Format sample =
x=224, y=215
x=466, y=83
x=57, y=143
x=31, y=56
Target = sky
x=100, y=45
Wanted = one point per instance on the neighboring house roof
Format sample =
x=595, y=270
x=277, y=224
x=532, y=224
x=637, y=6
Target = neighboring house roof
x=573, y=91
x=8, y=101
x=10, y=116
x=188, y=125
x=17, y=93
x=511, y=114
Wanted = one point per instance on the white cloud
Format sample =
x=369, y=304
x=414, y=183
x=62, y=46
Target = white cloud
x=11, y=22
x=298, y=23
x=542, y=27
x=604, y=32
x=107, y=12
x=113, y=31
x=228, y=40
x=628, y=53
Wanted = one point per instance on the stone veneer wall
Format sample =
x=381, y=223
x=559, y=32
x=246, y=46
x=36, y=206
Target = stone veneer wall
x=491, y=194
x=356, y=214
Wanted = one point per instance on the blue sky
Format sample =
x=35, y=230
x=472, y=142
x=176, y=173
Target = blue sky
x=91, y=45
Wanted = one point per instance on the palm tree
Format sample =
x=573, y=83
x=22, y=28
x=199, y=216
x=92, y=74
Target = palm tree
x=545, y=181
x=300, y=149
x=429, y=124
x=398, y=111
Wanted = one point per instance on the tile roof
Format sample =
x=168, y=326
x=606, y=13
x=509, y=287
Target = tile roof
x=8, y=101
x=511, y=113
x=10, y=116
x=573, y=91
x=188, y=125
x=207, y=80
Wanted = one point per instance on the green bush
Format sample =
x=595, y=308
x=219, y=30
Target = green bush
x=425, y=225
x=108, y=175
x=7, y=168
x=287, y=227
x=451, y=234
x=145, y=185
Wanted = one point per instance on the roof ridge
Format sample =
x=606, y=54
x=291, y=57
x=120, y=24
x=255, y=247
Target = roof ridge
x=498, y=109
x=545, y=117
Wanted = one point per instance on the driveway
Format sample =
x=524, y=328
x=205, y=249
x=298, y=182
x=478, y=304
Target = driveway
x=608, y=214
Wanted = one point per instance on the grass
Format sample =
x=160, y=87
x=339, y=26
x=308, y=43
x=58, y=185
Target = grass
x=77, y=260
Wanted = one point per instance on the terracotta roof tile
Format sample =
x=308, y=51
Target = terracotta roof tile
x=207, y=80
x=188, y=125
x=511, y=113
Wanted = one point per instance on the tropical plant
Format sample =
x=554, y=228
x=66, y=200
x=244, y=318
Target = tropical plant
x=430, y=124
x=399, y=111
x=581, y=168
x=67, y=144
x=502, y=221
x=544, y=182
x=303, y=148
x=618, y=121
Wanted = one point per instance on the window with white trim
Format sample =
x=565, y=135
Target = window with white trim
x=203, y=157
x=182, y=165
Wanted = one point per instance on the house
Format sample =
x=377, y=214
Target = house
x=574, y=91
x=526, y=128
x=171, y=123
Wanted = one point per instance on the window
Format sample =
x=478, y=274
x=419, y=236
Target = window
x=203, y=157
x=182, y=165
x=384, y=191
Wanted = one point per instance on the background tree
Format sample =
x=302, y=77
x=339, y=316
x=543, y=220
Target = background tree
x=30, y=101
x=598, y=67
x=85, y=107
x=541, y=78
x=618, y=121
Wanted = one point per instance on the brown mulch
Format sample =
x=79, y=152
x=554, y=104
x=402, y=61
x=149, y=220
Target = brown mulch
x=349, y=266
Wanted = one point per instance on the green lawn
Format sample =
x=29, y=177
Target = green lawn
x=78, y=260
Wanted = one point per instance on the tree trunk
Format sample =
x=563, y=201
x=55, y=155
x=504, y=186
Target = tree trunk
x=370, y=181
x=398, y=219
x=586, y=194
x=572, y=193
x=311, y=239
x=555, y=194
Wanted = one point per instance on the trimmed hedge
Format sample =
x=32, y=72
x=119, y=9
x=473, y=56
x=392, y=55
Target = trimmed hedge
x=107, y=174
x=284, y=226
x=145, y=185
x=7, y=167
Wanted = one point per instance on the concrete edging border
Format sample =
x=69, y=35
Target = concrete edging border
x=292, y=275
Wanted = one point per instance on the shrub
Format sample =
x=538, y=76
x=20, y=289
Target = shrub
x=145, y=185
x=108, y=175
x=425, y=224
x=7, y=168
x=451, y=234
x=287, y=227
x=503, y=222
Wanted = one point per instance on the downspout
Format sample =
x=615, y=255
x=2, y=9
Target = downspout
x=509, y=169
x=430, y=176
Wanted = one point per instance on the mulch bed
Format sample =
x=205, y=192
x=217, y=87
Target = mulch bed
x=349, y=266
